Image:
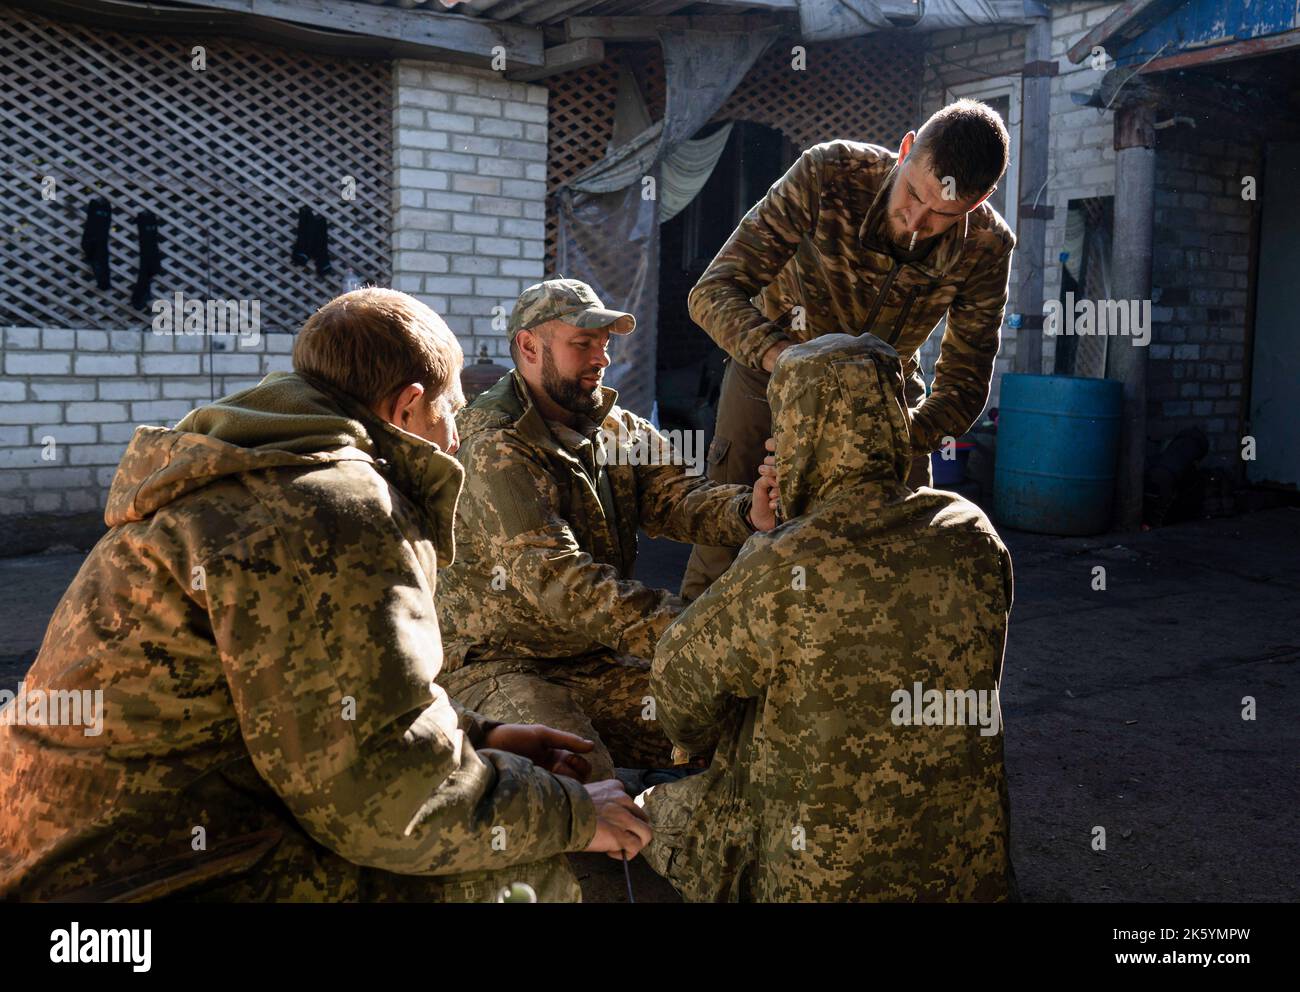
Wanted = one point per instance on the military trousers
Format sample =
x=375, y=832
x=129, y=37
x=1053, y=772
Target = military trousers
x=604, y=697
x=743, y=425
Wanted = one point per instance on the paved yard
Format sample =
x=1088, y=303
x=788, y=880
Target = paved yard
x=1122, y=708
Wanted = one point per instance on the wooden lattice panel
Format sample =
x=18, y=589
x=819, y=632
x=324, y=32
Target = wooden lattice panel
x=224, y=157
x=865, y=89
x=580, y=124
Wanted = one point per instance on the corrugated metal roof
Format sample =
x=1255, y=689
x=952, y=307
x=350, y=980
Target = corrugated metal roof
x=554, y=12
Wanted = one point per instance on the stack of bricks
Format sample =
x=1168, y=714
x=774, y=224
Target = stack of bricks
x=71, y=399
x=469, y=195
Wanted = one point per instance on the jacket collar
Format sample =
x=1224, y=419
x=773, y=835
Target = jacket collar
x=420, y=470
x=871, y=233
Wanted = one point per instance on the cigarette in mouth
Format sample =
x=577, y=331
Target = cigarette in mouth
x=912, y=246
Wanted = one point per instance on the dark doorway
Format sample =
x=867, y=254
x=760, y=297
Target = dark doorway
x=1085, y=273
x=690, y=364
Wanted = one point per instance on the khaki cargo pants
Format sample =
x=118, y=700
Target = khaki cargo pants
x=744, y=423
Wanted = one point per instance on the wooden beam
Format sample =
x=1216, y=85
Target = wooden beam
x=551, y=10
x=1212, y=54
x=647, y=28
x=792, y=6
x=444, y=35
x=1119, y=19
x=563, y=58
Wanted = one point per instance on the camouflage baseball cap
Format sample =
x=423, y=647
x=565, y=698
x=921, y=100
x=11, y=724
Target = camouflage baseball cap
x=568, y=300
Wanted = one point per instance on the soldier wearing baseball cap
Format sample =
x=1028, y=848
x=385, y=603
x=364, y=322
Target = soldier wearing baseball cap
x=540, y=615
x=573, y=302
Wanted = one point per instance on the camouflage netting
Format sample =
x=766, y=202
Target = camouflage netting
x=608, y=215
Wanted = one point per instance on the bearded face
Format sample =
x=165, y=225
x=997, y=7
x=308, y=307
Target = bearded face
x=578, y=392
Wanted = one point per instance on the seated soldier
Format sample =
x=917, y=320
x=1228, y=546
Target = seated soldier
x=800, y=670
x=541, y=616
x=259, y=620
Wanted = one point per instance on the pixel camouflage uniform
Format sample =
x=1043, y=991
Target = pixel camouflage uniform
x=260, y=620
x=789, y=665
x=542, y=619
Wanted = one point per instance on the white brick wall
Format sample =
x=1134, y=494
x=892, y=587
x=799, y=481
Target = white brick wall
x=1081, y=154
x=954, y=58
x=71, y=399
x=468, y=195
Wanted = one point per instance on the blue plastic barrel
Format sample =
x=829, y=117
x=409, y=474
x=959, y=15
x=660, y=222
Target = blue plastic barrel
x=1058, y=444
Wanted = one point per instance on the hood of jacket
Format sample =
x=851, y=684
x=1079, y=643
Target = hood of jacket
x=285, y=420
x=839, y=419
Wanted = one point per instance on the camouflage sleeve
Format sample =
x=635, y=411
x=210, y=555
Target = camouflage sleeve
x=757, y=250
x=474, y=725
x=329, y=641
x=675, y=504
x=717, y=652
x=965, y=366
x=513, y=500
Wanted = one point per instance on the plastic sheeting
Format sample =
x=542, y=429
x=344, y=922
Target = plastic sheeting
x=826, y=20
x=608, y=215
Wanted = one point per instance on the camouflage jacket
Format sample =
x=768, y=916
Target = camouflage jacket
x=260, y=620
x=548, y=535
x=817, y=241
x=790, y=664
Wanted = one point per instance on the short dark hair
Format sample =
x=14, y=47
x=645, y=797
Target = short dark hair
x=968, y=141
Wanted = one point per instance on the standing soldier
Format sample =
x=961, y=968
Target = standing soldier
x=540, y=612
x=856, y=239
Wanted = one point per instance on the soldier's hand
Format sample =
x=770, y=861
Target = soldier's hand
x=773, y=353
x=546, y=747
x=767, y=493
x=621, y=825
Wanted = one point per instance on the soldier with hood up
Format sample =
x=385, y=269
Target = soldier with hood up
x=260, y=626
x=794, y=668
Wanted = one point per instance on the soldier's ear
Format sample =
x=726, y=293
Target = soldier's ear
x=905, y=145
x=404, y=408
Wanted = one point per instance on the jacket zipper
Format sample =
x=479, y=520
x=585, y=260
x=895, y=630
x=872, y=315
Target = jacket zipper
x=889, y=281
x=902, y=318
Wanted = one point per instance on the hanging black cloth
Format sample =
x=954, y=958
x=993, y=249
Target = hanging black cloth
x=319, y=244
x=150, y=263
x=94, y=239
x=311, y=241
x=299, y=253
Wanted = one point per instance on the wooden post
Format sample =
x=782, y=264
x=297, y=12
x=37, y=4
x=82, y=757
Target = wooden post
x=1135, y=174
x=1032, y=212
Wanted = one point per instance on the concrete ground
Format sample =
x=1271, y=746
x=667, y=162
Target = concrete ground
x=1122, y=709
